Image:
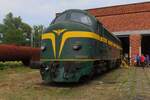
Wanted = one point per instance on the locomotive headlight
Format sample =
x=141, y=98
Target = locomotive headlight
x=43, y=48
x=76, y=47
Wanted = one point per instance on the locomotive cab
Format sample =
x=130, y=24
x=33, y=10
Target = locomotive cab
x=76, y=16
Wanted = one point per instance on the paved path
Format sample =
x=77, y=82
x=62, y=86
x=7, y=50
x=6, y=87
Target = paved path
x=142, y=84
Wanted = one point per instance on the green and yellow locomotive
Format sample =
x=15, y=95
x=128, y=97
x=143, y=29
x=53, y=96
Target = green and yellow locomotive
x=76, y=46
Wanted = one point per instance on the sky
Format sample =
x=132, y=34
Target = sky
x=42, y=12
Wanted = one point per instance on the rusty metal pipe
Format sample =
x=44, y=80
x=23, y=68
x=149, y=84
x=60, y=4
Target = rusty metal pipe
x=19, y=53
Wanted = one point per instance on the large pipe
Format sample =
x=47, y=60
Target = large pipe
x=19, y=53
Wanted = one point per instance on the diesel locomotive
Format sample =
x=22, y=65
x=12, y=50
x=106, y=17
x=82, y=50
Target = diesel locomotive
x=76, y=46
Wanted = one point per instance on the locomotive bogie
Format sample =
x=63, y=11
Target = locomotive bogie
x=68, y=71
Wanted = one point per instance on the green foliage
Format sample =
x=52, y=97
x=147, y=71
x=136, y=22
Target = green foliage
x=10, y=64
x=15, y=31
x=37, y=31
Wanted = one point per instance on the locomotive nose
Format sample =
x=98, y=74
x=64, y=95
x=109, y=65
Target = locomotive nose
x=67, y=40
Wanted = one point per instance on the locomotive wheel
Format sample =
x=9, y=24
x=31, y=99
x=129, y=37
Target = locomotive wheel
x=84, y=79
x=91, y=75
x=97, y=69
x=110, y=64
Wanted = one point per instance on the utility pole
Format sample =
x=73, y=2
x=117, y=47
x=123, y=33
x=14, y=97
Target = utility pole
x=32, y=38
x=1, y=36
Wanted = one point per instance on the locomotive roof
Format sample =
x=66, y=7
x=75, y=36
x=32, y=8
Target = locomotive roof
x=93, y=18
x=80, y=11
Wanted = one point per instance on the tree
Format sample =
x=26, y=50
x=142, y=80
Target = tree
x=37, y=31
x=15, y=31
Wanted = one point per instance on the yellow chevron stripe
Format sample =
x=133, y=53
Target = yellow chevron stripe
x=50, y=36
x=110, y=43
x=59, y=31
x=104, y=40
x=76, y=34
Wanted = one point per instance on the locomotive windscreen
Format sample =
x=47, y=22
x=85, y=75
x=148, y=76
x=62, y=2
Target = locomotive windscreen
x=74, y=16
x=80, y=17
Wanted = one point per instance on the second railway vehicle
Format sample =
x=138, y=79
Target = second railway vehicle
x=75, y=46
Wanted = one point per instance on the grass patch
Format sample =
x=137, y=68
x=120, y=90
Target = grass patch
x=7, y=68
x=10, y=64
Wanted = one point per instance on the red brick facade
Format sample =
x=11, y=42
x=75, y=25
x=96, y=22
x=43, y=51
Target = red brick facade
x=127, y=22
x=123, y=18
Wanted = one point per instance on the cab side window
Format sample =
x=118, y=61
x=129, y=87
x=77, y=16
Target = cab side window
x=99, y=29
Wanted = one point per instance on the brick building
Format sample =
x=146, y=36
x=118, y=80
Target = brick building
x=131, y=23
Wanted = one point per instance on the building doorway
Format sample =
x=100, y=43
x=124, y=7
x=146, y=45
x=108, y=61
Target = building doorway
x=125, y=45
x=145, y=44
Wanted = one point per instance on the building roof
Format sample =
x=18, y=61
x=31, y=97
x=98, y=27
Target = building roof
x=124, y=17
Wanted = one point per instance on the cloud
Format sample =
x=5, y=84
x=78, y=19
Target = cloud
x=43, y=11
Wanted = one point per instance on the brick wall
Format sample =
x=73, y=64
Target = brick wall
x=124, y=17
x=120, y=9
x=127, y=22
